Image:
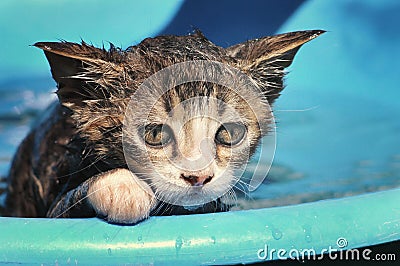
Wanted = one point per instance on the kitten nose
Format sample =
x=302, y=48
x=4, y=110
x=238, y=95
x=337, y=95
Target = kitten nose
x=197, y=181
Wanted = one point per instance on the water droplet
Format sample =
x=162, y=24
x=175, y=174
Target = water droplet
x=307, y=232
x=213, y=239
x=140, y=240
x=109, y=251
x=178, y=244
x=391, y=226
x=276, y=234
x=107, y=237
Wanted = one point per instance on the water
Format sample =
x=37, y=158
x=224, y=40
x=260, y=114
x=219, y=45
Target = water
x=339, y=127
x=338, y=130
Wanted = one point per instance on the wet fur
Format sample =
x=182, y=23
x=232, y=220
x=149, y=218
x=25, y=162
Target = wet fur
x=72, y=163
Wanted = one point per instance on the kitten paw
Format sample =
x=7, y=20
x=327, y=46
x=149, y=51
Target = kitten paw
x=120, y=197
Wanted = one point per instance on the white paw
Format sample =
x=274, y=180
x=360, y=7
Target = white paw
x=121, y=197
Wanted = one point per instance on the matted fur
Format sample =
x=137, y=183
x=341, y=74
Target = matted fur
x=55, y=165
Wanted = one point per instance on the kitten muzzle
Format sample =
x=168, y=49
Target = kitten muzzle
x=197, y=181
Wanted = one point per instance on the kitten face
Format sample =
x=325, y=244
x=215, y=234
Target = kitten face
x=196, y=138
x=181, y=112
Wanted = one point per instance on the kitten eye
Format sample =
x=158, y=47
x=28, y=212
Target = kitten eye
x=157, y=135
x=230, y=134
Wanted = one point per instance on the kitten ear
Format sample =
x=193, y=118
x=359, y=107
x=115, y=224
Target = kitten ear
x=72, y=67
x=265, y=59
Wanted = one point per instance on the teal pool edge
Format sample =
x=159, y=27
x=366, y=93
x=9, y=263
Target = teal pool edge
x=222, y=238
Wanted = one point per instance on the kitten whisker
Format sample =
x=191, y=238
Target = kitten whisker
x=84, y=168
x=298, y=110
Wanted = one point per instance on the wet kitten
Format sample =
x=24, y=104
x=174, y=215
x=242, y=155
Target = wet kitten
x=159, y=128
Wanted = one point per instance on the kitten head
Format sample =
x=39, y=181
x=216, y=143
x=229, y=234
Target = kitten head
x=184, y=114
x=190, y=128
